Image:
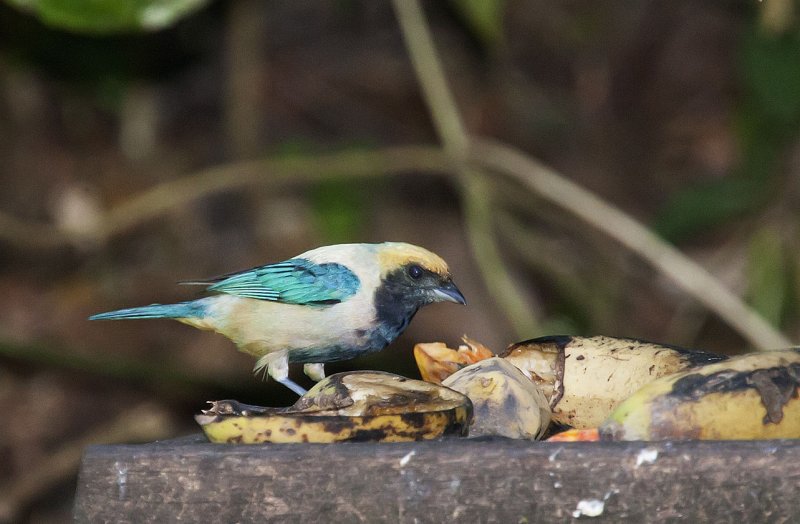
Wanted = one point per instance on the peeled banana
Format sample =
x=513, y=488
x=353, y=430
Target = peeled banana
x=505, y=402
x=749, y=397
x=357, y=406
x=585, y=378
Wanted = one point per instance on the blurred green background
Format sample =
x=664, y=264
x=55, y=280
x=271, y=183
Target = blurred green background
x=684, y=114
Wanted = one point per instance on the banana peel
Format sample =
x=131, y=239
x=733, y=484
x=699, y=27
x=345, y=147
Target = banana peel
x=585, y=378
x=505, y=402
x=354, y=406
x=750, y=397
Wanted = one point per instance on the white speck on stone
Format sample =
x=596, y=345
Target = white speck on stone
x=557, y=484
x=589, y=508
x=122, y=479
x=554, y=455
x=646, y=456
x=407, y=457
x=593, y=507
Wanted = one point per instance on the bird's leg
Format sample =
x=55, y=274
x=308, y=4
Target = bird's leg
x=315, y=372
x=279, y=370
x=277, y=366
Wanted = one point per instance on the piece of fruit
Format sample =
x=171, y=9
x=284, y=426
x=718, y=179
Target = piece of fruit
x=357, y=406
x=505, y=402
x=436, y=361
x=576, y=435
x=749, y=397
x=585, y=378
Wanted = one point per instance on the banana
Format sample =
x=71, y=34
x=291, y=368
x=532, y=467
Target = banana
x=505, y=402
x=356, y=406
x=585, y=378
x=436, y=361
x=749, y=397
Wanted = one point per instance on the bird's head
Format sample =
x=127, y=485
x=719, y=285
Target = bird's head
x=416, y=275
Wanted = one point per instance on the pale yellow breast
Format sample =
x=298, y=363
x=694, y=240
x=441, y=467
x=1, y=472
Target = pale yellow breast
x=259, y=327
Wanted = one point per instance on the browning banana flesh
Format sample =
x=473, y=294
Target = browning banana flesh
x=586, y=378
x=749, y=397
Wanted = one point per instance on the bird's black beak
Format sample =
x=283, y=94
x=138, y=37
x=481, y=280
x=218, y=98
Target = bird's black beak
x=448, y=292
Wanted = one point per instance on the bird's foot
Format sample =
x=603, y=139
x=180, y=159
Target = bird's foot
x=315, y=372
x=277, y=366
x=294, y=386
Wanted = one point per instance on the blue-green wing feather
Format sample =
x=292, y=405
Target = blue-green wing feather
x=295, y=281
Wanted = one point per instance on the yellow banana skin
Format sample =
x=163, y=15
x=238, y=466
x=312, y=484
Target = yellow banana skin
x=750, y=397
x=334, y=428
x=505, y=402
x=585, y=378
x=356, y=406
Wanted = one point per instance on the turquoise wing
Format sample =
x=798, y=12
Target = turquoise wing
x=295, y=281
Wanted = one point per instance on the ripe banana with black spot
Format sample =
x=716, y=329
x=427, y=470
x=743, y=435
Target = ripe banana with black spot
x=749, y=397
x=355, y=406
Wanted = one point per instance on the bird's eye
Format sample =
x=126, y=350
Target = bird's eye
x=415, y=272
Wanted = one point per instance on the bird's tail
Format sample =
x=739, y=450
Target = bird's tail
x=192, y=309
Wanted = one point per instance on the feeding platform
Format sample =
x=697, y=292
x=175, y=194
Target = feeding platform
x=453, y=479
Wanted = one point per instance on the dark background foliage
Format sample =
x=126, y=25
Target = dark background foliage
x=684, y=114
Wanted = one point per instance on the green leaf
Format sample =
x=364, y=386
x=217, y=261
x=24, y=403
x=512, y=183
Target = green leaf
x=767, y=276
x=701, y=207
x=772, y=76
x=484, y=18
x=109, y=16
x=339, y=210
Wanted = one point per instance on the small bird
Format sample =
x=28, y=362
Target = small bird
x=328, y=304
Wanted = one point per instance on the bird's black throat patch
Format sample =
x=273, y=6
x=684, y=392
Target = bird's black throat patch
x=396, y=302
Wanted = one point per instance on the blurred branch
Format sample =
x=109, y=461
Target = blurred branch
x=161, y=375
x=245, y=75
x=548, y=258
x=142, y=423
x=169, y=196
x=777, y=16
x=684, y=272
x=475, y=188
x=518, y=308
x=29, y=235
x=439, y=99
